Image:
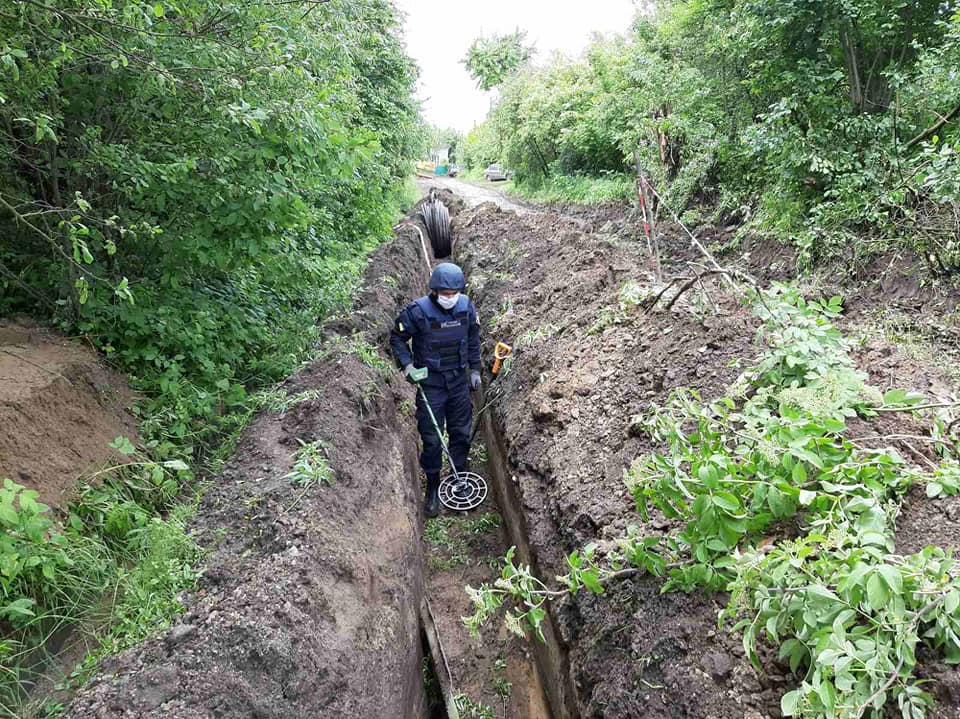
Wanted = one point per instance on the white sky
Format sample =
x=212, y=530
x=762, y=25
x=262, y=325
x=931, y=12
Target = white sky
x=438, y=34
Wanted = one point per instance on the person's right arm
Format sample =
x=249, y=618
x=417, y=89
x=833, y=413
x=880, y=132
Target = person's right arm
x=400, y=335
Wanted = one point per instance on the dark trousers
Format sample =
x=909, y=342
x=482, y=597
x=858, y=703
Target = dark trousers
x=451, y=405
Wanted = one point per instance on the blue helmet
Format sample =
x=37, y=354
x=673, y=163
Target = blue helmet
x=447, y=276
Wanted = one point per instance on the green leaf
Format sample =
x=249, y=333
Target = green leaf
x=892, y=578
x=799, y=475
x=894, y=396
x=827, y=694
x=821, y=592
x=952, y=601
x=8, y=514
x=779, y=503
x=20, y=607
x=123, y=445
x=591, y=582
x=727, y=501
x=876, y=539
x=789, y=703
x=708, y=475
x=877, y=591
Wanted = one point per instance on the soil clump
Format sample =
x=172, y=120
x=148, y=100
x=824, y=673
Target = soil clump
x=60, y=408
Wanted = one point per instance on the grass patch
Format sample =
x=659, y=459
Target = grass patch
x=575, y=188
x=470, y=709
x=537, y=334
x=114, y=562
x=456, y=537
x=310, y=466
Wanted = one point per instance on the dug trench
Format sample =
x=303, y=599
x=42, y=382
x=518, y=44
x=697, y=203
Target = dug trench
x=323, y=594
x=329, y=597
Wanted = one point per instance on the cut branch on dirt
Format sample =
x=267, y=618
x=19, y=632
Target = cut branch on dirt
x=727, y=274
x=696, y=279
x=916, y=407
x=896, y=670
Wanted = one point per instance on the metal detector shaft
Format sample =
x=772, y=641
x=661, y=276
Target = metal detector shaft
x=436, y=426
x=478, y=417
x=500, y=354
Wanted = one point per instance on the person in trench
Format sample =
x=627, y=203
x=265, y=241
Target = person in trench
x=441, y=331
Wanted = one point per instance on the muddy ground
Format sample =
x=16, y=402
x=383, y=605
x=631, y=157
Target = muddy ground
x=60, y=408
x=497, y=671
x=586, y=363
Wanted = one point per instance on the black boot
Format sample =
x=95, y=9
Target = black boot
x=431, y=503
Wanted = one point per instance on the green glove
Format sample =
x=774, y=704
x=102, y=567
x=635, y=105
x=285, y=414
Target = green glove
x=414, y=375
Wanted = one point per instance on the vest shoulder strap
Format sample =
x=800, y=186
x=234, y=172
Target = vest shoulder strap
x=420, y=309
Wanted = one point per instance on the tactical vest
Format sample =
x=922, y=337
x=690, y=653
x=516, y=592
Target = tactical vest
x=442, y=345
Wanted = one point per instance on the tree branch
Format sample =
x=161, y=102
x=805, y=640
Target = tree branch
x=933, y=128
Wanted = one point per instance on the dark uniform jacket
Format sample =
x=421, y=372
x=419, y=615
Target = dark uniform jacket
x=443, y=341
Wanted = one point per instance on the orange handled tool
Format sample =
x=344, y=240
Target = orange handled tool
x=500, y=353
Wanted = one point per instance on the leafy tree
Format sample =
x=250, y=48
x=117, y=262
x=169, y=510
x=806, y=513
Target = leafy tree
x=481, y=146
x=189, y=184
x=491, y=60
x=823, y=122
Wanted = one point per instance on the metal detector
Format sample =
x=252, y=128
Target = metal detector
x=459, y=491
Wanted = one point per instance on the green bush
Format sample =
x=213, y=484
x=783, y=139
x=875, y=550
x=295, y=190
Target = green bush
x=208, y=178
x=836, y=122
x=579, y=188
x=192, y=187
x=114, y=562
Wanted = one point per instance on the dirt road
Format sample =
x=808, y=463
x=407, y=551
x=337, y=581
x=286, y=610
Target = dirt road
x=473, y=194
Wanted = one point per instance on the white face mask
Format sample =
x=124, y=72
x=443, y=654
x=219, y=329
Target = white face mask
x=448, y=303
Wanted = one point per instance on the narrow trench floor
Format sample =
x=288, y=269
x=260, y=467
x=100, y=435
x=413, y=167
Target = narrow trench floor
x=495, y=676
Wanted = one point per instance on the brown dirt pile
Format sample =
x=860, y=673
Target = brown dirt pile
x=309, y=603
x=586, y=364
x=60, y=407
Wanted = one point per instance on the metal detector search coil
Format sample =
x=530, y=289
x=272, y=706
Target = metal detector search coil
x=459, y=491
x=463, y=491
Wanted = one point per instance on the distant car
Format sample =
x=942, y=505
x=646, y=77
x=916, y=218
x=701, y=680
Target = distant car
x=494, y=173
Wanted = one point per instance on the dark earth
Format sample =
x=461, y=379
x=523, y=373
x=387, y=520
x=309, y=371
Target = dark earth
x=310, y=603
x=586, y=363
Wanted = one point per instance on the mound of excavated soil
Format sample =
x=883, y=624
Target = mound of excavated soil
x=60, y=408
x=548, y=283
x=568, y=400
x=309, y=605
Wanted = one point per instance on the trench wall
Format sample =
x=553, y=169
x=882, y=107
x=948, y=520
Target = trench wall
x=309, y=603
